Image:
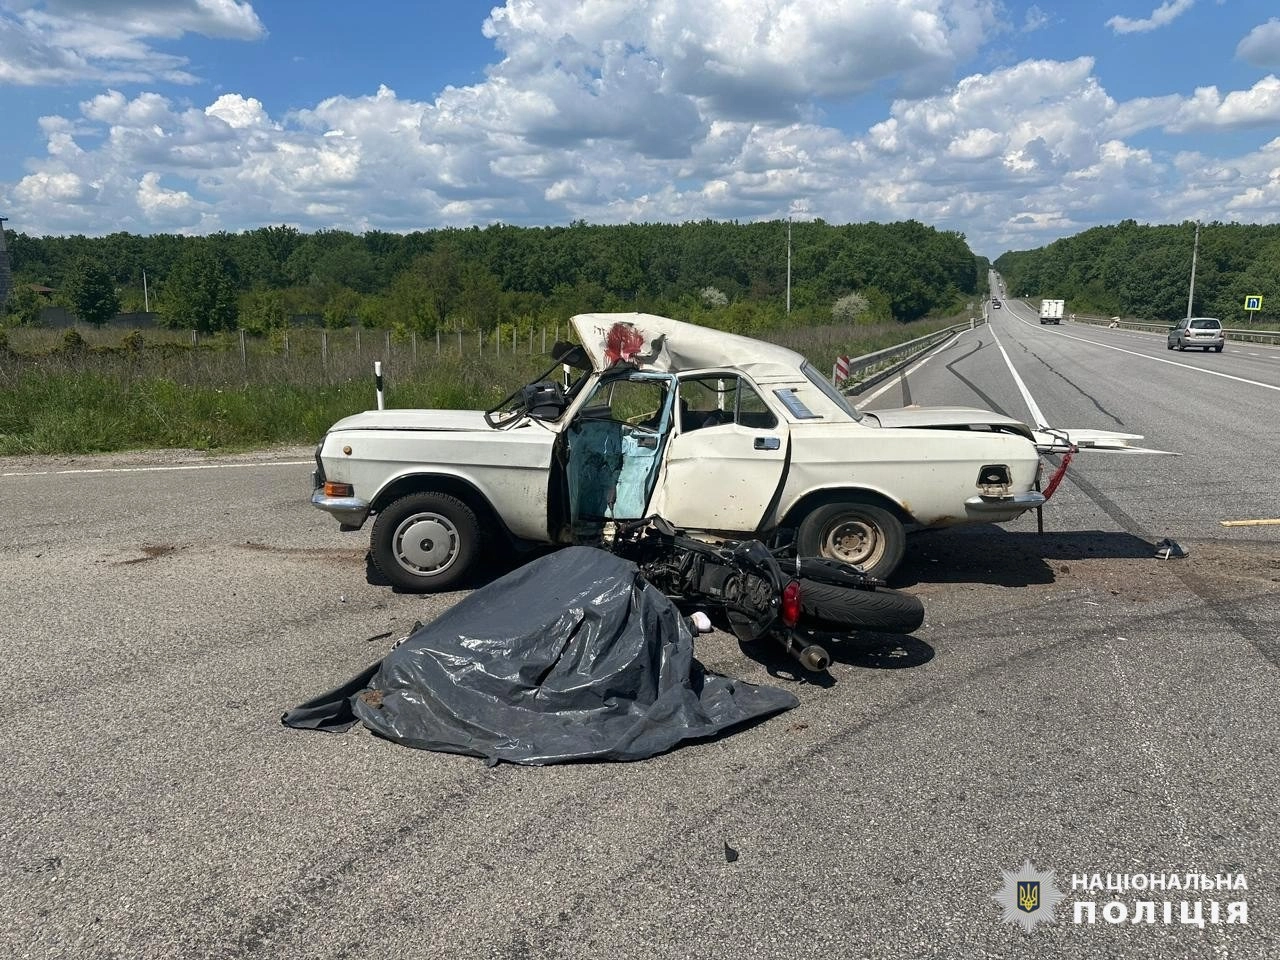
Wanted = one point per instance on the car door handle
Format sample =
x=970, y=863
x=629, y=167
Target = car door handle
x=767, y=443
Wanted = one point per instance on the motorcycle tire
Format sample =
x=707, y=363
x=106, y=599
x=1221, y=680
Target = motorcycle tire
x=834, y=609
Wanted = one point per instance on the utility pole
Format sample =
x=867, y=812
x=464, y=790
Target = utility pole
x=146, y=297
x=1195, y=249
x=788, y=264
x=6, y=277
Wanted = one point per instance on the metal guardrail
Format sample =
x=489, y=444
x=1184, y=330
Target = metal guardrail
x=1243, y=336
x=897, y=357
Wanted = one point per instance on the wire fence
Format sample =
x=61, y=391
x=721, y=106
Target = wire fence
x=306, y=356
x=298, y=356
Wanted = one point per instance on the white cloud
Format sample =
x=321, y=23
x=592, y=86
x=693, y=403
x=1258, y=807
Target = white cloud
x=742, y=58
x=46, y=42
x=1209, y=109
x=163, y=208
x=1261, y=47
x=54, y=188
x=231, y=19
x=1035, y=19
x=622, y=126
x=238, y=112
x=1161, y=16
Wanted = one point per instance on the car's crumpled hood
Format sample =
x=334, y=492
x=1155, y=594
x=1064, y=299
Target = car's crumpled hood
x=414, y=420
x=1046, y=440
x=947, y=417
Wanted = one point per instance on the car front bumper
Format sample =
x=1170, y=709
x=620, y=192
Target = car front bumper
x=351, y=512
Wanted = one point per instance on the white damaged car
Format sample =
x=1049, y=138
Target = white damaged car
x=717, y=433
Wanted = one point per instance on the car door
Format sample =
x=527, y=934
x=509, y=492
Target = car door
x=613, y=449
x=726, y=459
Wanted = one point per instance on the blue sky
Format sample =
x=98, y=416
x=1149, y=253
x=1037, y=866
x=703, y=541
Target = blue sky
x=1012, y=122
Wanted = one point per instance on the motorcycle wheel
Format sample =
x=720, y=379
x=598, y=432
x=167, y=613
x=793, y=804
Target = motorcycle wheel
x=834, y=609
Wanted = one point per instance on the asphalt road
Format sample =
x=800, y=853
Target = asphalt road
x=1071, y=700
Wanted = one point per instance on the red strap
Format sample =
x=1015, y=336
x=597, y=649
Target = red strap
x=1059, y=473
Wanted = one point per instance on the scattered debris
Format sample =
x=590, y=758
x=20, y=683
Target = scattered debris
x=1167, y=549
x=730, y=854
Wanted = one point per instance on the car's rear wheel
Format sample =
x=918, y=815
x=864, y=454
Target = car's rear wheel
x=426, y=541
x=860, y=534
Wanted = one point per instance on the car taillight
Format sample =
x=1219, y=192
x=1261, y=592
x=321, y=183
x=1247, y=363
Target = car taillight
x=791, y=603
x=332, y=489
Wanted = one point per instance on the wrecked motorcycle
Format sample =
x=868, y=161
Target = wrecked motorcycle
x=764, y=594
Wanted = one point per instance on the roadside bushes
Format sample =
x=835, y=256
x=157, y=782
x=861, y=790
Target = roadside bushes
x=73, y=342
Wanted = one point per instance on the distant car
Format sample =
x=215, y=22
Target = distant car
x=1203, y=332
x=995, y=304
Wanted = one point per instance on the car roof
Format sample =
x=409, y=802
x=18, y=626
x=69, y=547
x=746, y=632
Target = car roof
x=674, y=346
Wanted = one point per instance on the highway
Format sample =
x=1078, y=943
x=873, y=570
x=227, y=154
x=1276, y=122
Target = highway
x=1071, y=700
x=1217, y=412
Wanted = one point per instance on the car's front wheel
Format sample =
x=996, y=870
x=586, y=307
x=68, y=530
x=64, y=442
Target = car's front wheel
x=1218, y=348
x=426, y=541
x=860, y=534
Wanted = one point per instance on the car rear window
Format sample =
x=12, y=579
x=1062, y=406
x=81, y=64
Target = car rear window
x=1205, y=323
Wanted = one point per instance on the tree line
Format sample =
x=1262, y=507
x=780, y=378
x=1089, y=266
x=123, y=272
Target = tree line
x=727, y=274
x=1144, y=271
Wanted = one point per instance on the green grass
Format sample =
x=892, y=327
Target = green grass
x=213, y=397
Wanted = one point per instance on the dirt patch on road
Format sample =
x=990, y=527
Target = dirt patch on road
x=315, y=553
x=1107, y=563
x=1257, y=563
x=149, y=552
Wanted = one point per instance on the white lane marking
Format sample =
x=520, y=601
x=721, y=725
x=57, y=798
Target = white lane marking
x=189, y=466
x=904, y=374
x=1040, y=421
x=1147, y=356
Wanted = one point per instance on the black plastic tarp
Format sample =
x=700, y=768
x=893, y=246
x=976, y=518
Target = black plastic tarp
x=571, y=657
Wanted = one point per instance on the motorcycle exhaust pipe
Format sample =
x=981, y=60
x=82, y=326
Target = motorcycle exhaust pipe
x=815, y=658
x=810, y=656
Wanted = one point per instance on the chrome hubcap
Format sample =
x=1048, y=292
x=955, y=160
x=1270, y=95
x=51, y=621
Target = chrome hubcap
x=426, y=543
